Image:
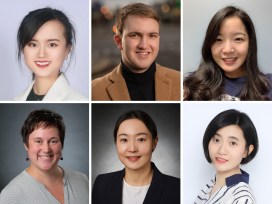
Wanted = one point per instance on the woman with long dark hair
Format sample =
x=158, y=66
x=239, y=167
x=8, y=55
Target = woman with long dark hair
x=229, y=66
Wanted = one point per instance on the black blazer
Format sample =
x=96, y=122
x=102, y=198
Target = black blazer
x=163, y=189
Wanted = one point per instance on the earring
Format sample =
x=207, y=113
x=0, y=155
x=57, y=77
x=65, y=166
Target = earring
x=61, y=158
x=27, y=157
x=66, y=58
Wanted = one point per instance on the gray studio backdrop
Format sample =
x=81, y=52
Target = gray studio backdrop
x=14, y=80
x=196, y=18
x=12, y=151
x=104, y=153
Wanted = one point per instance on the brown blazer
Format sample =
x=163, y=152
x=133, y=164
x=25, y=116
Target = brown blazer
x=113, y=87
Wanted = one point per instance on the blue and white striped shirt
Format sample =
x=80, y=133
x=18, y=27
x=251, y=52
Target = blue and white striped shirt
x=237, y=191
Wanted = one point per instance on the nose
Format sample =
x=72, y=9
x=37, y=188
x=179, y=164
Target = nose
x=228, y=47
x=42, y=52
x=222, y=149
x=46, y=148
x=133, y=146
x=143, y=44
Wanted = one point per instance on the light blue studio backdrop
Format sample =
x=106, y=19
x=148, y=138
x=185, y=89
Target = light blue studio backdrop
x=197, y=172
x=12, y=151
x=14, y=80
x=196, y=18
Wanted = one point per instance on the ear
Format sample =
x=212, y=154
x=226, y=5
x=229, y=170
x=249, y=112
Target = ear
x=118, y=41
x=248, y=151
x=26, y=147
x=155, y=143
x=68, y=49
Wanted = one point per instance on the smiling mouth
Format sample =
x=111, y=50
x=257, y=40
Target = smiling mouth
x=45, y=158
x=42, y=64
x=143, y=54
x=133, y=158
x=221, y=160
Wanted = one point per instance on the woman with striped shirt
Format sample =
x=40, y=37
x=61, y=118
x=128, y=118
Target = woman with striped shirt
x=229, y=140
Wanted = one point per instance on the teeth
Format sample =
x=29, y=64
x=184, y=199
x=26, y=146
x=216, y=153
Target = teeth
x=230, y=59
x=45, y=157
x=42, y=63
x=143, y=53
x=221, y=159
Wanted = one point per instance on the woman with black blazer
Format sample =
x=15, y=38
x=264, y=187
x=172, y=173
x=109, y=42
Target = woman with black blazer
x=135, y=135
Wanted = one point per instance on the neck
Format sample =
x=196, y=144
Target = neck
x=139, y=177
x=221, y=176
x=54, y=175
x=135, y=69
x=42, y=84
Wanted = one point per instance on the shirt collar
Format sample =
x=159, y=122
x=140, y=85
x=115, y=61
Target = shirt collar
x=237, y=178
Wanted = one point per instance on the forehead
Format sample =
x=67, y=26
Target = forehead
x=44, y=133
x=232, y=25
x=50, y=30
x=231, y=130
x=132, y=127
x=140, y=24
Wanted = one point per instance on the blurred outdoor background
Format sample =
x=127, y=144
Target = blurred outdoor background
x=105, y=54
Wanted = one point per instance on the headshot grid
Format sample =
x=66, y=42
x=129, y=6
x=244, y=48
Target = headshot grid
x=70, y=133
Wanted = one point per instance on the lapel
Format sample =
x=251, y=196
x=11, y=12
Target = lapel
x=156, y=187
x=118, y=89
x=23, y=96
x=56, y=92
x=163, y=85
x=116, y=188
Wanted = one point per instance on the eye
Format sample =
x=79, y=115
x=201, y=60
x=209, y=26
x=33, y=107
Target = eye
x=238, y=39
x=123, y=140
x=233, y=143
x=52, y=45
x=153, y=36
x=32, y=45
x=216, y=140
x=134, y=35
x=141, y=139
x=54, y=141
x=218, y=40
x=38, y=141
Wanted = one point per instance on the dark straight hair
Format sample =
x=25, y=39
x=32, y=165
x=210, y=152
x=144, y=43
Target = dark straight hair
x=136, y=114
x=208, y=82
x=232, y=117
x=34, y=20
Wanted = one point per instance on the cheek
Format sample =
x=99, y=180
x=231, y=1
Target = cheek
x=121, y=149
x=243, y=50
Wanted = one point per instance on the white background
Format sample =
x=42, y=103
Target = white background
x=12, y=80
x=197, y=15
x=197, y=172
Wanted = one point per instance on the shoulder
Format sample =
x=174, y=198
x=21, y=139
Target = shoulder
x=171, y=73
x=76, y=176
x=15, y=190
x=23, y=95
x=173, y=181
x=242, y=193
x=72, y=94
x=105, y=179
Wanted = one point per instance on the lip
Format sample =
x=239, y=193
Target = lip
x=133, y=158
x=45, y=159
x=143, y=54
x=42, y=66
x=219, y=161
x=229, y=62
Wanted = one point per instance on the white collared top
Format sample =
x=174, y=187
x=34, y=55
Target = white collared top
x=59, y=91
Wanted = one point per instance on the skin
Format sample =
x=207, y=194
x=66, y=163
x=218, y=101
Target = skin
x=44, y=142
x=232, y=42
x=48, y=44
x=134, y=139
x=228, y=144
x=140, y=35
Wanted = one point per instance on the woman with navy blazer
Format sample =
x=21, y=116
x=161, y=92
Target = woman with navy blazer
x=135, y=135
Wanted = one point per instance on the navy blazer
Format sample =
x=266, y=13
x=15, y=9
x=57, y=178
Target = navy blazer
x=163, y=189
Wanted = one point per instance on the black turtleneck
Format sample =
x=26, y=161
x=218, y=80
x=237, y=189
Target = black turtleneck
x=141, y=86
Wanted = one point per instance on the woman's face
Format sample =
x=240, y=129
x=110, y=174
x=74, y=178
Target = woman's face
x=46, y=52
x=231, y=47
x=44, y=148
x=227, y=149
x=134, y=144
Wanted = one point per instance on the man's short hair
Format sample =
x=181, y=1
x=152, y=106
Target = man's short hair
x=138, y=9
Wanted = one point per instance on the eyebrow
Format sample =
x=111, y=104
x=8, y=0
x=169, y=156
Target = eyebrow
x=232, y=137
x=49, y=139
x=235, y=34
x=47, y=40
x=141, y=33
x=141, y=133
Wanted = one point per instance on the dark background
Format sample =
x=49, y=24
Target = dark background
x=12, y=151
x=167, y=153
